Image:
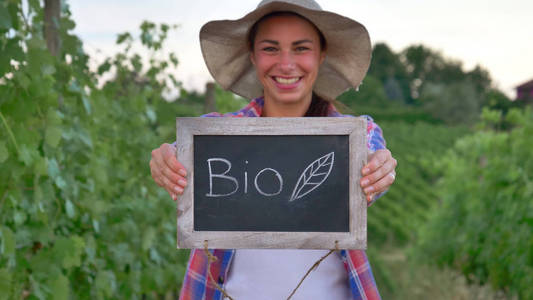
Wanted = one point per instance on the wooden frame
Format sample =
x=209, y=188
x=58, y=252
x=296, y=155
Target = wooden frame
x=355, y=128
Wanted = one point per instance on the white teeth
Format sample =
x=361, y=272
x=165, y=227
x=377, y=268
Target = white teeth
x=286, y=80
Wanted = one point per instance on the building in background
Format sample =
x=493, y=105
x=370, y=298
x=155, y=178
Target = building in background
x=524, y=92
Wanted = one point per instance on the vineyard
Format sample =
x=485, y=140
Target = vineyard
x=81, y=218
x=416, y=146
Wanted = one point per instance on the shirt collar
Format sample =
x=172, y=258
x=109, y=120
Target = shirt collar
x=255, y=109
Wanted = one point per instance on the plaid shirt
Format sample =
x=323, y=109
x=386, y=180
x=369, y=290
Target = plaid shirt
x=197, y=286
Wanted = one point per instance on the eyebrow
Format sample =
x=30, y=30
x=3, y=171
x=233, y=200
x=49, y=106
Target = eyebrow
x=294, y=43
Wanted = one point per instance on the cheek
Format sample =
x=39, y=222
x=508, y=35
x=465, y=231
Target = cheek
x=310, y=63
x=263, y=63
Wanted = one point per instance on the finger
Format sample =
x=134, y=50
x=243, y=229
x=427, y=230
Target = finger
x=157, y=176
x=381, y=172
x=171, y=187
x=173, y=196
x=169, y=158
x=174, y=177
x=381, y=185
x=164, y=163
x=370, y=197
x=164, y=157
x=377, y=159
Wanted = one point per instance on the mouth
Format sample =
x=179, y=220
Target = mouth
x=286, y=82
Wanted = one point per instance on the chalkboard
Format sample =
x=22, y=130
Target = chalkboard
x=272, y=182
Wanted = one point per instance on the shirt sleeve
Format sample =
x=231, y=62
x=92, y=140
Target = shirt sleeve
x=374, y=136
x=375, y=141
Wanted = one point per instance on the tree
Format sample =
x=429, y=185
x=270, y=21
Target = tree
x=52, y=9
x=425, y=65
x=80, y=217
x=388, y=68
x=454, y=103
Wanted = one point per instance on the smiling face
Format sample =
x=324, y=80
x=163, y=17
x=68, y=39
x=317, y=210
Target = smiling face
x=287, y=55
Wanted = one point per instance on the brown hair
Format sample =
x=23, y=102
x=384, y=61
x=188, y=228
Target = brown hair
x=253, y=30
x=319, y=106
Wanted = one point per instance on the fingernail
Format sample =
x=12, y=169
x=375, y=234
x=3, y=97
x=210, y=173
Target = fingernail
x=182, y=182
x=174, y=197
x=178, y=190
x=365, y=171
x=369, y=189
x=182, y=172
x=364, y=182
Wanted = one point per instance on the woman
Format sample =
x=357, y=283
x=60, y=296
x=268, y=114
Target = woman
x=291, y=58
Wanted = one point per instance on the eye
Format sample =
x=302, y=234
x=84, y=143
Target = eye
x=269, y=49
x=301, y=48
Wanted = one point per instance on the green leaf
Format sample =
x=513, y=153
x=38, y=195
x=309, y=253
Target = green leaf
x=59, y=288
x=7, y=247
x=69, y=251
x=5, y=284
x=150, y=113
x=123, y=37
x=85, y=138
x=60, y=182
x=69, y=207
x=173, y=59
x=52, y=136
x=96, y=225
x=105, y=283
x=53, y=168
x=148, y=238
x=4, y=154
x=47, y=69
x=27, y=155
x=35, y=4
x=41, y=166
x=53, y=117
x=5, y=17
x=19, y=217
x=86, y=104
x=104, y=67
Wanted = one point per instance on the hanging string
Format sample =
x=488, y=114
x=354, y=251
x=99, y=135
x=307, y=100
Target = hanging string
x=313, y=267
x=211, y=259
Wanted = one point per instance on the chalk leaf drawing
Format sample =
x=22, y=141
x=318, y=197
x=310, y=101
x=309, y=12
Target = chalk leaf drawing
x=313, y=176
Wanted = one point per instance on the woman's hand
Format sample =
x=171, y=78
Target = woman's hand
x=378, y=174
x=167, y=171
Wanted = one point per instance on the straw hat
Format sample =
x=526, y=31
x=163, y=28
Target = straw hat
x=226, y=52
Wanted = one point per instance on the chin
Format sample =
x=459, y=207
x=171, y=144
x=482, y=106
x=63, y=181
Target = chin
x=289, y=98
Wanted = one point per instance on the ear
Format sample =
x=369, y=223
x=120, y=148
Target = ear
x=322, y=56
x=252, y=57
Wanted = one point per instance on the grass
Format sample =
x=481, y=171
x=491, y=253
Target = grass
x=408, y=279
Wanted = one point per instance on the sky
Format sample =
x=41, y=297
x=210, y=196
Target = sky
x=492, y=33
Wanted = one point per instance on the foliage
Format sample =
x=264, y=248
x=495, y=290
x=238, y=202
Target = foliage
x=391, y=71
x=227, y=101
x=371, y=100
x=370, y=92
x=396, y=216
x=80, y=216
x=483, y=225
x=456, y=103
x=423, y=77
x=414, y=280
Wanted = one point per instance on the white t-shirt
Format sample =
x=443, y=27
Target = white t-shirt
x=272, y=274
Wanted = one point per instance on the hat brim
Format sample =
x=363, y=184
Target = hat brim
x=226, y=53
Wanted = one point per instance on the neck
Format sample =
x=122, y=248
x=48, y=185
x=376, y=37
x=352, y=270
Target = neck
x=273, y=108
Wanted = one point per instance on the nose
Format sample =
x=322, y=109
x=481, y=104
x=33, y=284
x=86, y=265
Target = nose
x=286, y=62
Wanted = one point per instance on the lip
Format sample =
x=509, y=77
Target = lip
x=284, y=86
